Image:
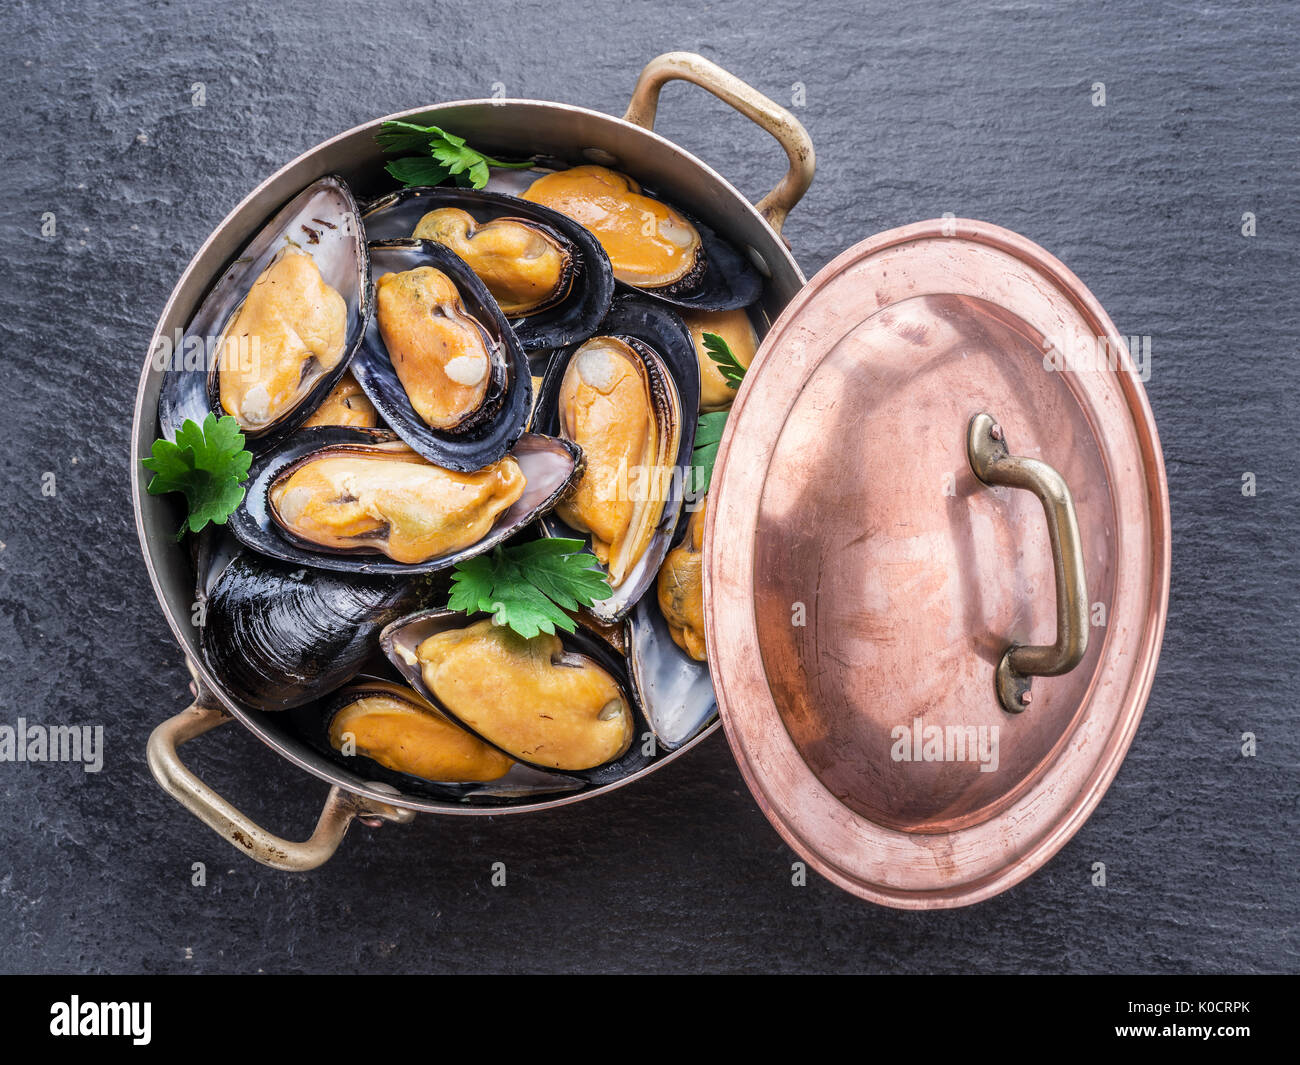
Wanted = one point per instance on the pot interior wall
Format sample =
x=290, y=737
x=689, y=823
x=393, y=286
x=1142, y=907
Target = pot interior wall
x=509, y=128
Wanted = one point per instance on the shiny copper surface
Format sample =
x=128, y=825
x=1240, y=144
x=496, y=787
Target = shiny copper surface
x=843, y=499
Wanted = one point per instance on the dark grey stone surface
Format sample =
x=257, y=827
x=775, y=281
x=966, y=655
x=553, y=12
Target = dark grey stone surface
x=917, y=109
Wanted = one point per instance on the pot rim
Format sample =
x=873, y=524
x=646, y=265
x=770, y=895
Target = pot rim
x=205, y=680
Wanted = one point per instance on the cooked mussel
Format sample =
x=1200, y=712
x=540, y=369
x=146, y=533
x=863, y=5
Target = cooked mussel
x=542, y=705
x=277, y=331
x=384, y=731
x=346, y=405
x=439, y=360
x=396, y=727
x=445, y=358
x=626, y=418
x=651, y=245
x=737, y=330
x=526, y=269
x=289, y=332
x=359, y=500
x=386, y=498
x=547, y=273
x=628, y=398
x=557, y=702
x=278, y=635
x=680, y=588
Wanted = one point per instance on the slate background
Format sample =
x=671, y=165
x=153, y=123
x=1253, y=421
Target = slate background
x=916, y=109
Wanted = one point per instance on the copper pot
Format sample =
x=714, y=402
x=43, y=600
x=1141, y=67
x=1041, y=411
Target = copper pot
x=519, y=128
x=921, y=527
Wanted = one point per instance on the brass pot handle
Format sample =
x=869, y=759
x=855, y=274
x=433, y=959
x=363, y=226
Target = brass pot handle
x=235, y=827
x=993, y=464
x=775, y=119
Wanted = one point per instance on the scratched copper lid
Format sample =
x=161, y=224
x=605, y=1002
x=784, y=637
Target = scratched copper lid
x=937, y=564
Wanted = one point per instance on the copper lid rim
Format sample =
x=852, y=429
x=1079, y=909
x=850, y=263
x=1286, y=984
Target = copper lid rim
x=1031, y=853
x=981, y=889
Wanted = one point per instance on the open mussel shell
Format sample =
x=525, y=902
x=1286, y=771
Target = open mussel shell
x=400, y=640
x=520, y=783
x=323, y=222
x=515, y=182
x=550, y=466
x=494, y=427
x=669, y=354
x=588, y=289
x=211, y=550
x=674, y=690
x=278, y=635
x=727, y=281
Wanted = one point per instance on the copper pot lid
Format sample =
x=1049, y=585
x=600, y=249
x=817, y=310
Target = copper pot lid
x=929, y=675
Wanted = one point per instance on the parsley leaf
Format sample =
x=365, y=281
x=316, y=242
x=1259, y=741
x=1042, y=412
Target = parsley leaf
x=529, y=586
x=471, y=584
x=728, y=365
x=398, y=136
x=443, y=155
x=208, y=464
x=708, y=433
x=560, y=570
x=416, y=170
x=708, y=429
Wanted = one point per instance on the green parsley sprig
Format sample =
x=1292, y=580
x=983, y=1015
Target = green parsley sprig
x=440, y=156
x=208, y=464
x=708, y=433
x=530, y=586
x=728, y=365
x=708, y=429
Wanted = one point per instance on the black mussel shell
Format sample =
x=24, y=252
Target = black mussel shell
x=278, y=635
x=660, y=329
x=521, y=784
x=495, y=428
x=572, y=318
x=323, y=221
x=408, y=632
x=211, y=550
x=674, y=690
x=550, y=464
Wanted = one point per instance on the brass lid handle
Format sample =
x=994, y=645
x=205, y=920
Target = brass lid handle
x=992, y=463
